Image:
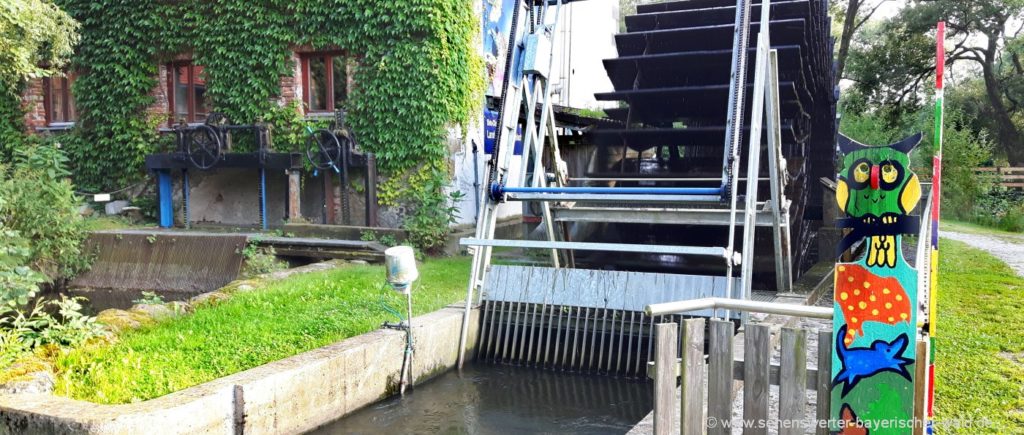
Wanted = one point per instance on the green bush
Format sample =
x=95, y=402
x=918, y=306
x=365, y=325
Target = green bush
x=40, y=205
x=260, y=260
x=18, y=282
x=38, y=327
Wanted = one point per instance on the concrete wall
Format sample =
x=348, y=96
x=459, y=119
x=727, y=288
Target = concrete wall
x=288, y=396
x=231, y=197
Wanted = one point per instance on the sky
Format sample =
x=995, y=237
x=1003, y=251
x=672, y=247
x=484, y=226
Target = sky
x=890, y=8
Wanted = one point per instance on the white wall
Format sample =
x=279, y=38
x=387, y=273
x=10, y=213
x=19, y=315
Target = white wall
x=585, y=36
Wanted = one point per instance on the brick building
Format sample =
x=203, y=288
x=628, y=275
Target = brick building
x=320, y=81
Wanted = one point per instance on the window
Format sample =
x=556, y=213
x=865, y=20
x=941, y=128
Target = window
x=187, y=92
x=58, y=100
x=325, y=81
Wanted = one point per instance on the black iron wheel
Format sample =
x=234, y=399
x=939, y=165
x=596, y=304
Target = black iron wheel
x=204, y=147
x=323, y=149
x=217, y=119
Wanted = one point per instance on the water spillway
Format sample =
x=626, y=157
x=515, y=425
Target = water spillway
x=579, y=320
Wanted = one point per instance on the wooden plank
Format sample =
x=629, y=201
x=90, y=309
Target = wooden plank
x=757, y=363
x=773, y=374
x=665, y=351
x=920, y=387
x=720, y=381
x=823, y=379
x=692, y=403
x=792, y=381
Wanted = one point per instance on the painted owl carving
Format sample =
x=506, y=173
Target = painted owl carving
x=877, y=191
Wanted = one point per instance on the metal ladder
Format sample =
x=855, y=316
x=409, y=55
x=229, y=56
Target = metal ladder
x=528, y=87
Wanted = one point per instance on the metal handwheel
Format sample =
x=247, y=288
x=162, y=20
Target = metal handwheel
x=324, y=149
x=205, y=147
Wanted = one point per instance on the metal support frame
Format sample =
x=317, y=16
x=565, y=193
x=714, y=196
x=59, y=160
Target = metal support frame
x=777, y=180
x=766, y=101
x=523, y=92
x=734, y=120
x=607, y=247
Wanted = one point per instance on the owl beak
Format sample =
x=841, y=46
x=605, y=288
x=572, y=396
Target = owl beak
x=874, y=177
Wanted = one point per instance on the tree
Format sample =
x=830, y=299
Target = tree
x=857, y=13
x=986, y=21
x=36, y=39
x=895, y=66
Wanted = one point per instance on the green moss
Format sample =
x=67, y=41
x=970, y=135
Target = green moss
x=980, y=312
x=285, y=318
x=23, y=368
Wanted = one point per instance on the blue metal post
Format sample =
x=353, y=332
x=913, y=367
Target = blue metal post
x=263, y=198
x=186, y=196
x=166, y=202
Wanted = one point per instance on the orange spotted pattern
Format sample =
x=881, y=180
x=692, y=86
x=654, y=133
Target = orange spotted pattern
x=866, y=297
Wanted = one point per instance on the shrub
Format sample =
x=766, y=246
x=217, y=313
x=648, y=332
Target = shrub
x=18, y=282
x=260, y=260
x=40, y=205
x=68, y=328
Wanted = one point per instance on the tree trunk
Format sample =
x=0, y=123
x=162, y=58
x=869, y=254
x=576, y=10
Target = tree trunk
x=1006, y=131
x=844, y=41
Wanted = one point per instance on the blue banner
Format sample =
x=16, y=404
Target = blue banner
x=491, y=133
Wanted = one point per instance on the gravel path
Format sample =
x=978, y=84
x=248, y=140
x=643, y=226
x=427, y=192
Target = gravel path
x=1008, y=249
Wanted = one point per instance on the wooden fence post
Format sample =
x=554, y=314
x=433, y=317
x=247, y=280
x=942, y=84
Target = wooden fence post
x=720, y=377
x=757, y=360
x=692, y=402
x=665, y=363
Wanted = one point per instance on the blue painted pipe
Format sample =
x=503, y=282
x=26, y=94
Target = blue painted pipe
x=499, y=191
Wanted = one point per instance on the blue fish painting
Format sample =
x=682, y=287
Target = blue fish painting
x=864, y=362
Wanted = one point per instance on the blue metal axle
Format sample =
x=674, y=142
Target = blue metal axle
x=498, y=190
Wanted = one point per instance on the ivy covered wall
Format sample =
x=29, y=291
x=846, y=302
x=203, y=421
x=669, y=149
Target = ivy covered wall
x=418, y=75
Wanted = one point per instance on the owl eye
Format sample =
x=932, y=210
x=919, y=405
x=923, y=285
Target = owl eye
x=862, y=172
x=889, y=173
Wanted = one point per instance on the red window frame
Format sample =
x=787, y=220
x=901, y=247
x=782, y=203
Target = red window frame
x=67, y=96
x=328, y=56
x=190, y=93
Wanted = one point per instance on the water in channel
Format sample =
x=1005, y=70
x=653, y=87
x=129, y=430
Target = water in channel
x=501, y=399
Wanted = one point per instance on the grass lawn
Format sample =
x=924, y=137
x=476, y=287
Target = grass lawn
x=980, y=341
x=253, y=328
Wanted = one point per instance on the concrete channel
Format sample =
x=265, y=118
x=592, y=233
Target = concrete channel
x=292, y=395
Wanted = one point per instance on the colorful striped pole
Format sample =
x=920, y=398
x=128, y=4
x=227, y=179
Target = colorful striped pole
x=937, y=172
x=933, y=274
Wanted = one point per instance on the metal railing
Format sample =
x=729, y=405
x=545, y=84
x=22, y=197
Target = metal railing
x=681, y=307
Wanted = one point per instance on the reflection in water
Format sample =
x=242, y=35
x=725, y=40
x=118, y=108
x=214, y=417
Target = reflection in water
x=489, y=399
